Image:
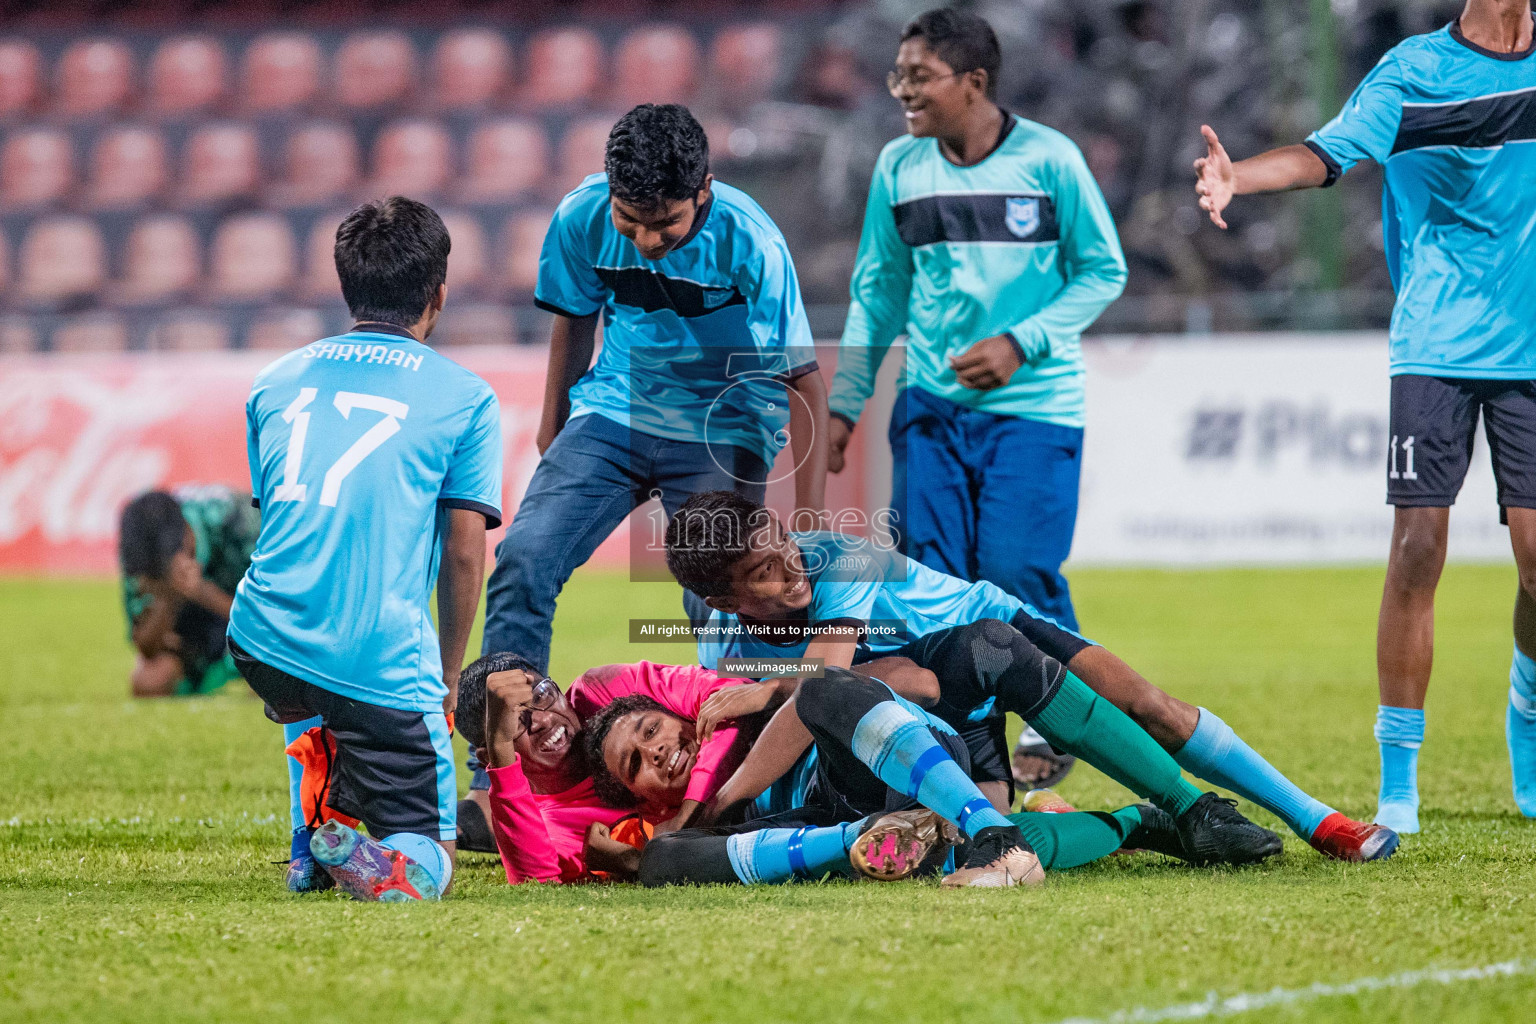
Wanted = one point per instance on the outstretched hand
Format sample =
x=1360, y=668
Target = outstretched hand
x=1214, y=177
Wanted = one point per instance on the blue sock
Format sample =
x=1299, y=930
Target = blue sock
x=1520, y=731
x=1400, y=732
x=431, y=856
x=1522, y=682
x=775, y=855
x=1217, y=754
x=296, y=772
x=903, y=754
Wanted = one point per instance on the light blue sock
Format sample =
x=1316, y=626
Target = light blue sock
x=1400, y=732
x=1217, y=754
x=899, y=749
x=424, y=851
x=1520, y=731
x=774, y=855
x=292, y=732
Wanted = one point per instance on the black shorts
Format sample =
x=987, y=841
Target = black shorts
x=1433, y=426
x=393, y=769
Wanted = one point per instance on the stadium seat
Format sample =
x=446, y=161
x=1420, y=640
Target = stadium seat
x=94, y=332
x=18, y=334
x=745, y=61
x=466, y=257
x=129, y=166
x=581, y=151
x=505, y=159
x=283, y=330
x=5, y=265
x=190, y=331
x=320, y=165
x=161, y=261
x=220, y=163
x=62, y=259
x=253, y=258
x=281, y=72
x=374, y=69
x=657, y=64
x=95, y=78
x=320, y=283
x=411, y=158
x=475, y=323
x=470, y=68
x=21, y=77
x=521, y=239
x=187, y=74
x=564, y=67
x=37, y=168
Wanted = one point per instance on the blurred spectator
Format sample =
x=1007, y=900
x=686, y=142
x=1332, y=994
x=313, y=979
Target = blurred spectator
x=287, y=329
x=521, y=239
x=37, y=168
x=320, y=283
x=582, y=150
x=657, y=64
x=564, y=67
x=62, y=263
x=281, y=72
x=189, y=331
x=466, y=255
x=187, y=74
x=411, y=158
x=161, y=262
x=221, y=163
x=253, y=258
x=320, y=165
x=94, y=332
x=471, y=68
x=129, y=167
x=21, y=77
x=744, y=63
x=506, y=158
x=374, y=69
x=95, y=78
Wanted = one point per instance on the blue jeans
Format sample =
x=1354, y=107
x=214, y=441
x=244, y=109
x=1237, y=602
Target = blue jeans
x=987, y=497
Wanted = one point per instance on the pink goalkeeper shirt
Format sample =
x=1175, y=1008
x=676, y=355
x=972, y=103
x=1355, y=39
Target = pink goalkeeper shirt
x=542, y=836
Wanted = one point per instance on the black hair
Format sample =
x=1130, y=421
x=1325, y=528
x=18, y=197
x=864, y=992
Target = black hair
x=708, y=536
x=469, y=713
x=391, y=256
x=656, y=153
x=150, y=531
x=963, y=41
x=610, y=790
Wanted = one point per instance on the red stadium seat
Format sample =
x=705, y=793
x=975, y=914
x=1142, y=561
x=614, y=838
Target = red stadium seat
x=470, y=68
x=475, y=323
x=95, y=78
x=320, y=165
x=320, y=283
x=161, y=262
x=521, y=240
x=287, y=329
x=581, y=151
x=18, y=334
x=21, y=77
x=187, y=74
x=253, y=258
x=466, y=256
x=658, y=64
x=745, y=62
x=411, y=158
x=61, y=259
x=37, y=168
x=94, y=332
x=564, y=67
x=281, y=72
x=129, y=166
x=374, y=69
x=221, y=162
x=505, y=159
x=190, y=332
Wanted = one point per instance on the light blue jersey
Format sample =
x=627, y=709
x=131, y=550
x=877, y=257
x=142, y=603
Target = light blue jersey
x=358, y=446
x=696, y=345
x=856, y=580
x=1454, y=128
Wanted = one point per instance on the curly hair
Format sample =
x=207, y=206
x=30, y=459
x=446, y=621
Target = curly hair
x=610, y=789
x=469, y=713
x=708, y=536
x=656, y=153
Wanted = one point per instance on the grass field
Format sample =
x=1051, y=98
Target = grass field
x=137, y=843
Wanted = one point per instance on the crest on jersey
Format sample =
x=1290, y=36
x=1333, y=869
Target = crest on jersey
x=1022, y=216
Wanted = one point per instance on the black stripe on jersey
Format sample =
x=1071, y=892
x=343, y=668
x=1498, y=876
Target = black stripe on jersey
x=1476, y=124
x=653, y=292
x=972, y=217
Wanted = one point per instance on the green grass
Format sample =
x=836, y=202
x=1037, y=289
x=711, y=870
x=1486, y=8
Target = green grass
x=137, y=841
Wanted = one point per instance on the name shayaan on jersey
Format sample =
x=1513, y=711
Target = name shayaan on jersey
x=389, y=355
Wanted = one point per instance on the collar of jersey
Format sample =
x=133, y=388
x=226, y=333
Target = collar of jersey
x=384, y=331
x=698, y=224
x=1455, y=30
x=1009, y=123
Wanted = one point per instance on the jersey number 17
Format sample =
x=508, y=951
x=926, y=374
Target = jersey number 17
x=297, y=414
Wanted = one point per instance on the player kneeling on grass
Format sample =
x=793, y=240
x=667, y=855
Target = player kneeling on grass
x=846, y=598
x=182, y=555
x=377, y=462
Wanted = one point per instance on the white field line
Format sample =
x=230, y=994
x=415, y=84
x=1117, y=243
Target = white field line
x=1214, y=1005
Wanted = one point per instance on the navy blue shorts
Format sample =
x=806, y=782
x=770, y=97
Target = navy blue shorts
x=1434, y=425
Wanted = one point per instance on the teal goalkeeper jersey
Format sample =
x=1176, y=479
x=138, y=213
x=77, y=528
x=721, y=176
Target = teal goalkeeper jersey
x=1454, y=128
x=1021, y=243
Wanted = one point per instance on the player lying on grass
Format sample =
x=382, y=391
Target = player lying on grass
x=891, y=793
x=842, y=598
x=182, y=555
